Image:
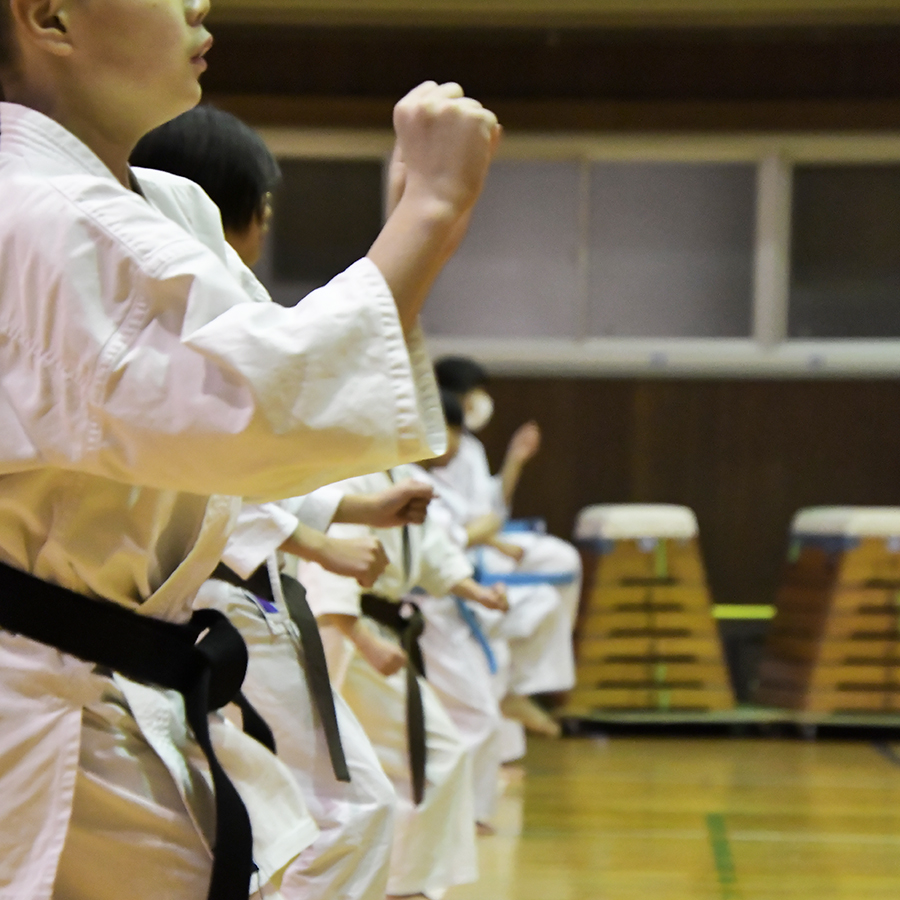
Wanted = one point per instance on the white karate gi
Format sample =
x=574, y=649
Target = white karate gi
x=541, y=618
x=460, y=674
x=349, y=859
x=434, y=843
x=137, y=381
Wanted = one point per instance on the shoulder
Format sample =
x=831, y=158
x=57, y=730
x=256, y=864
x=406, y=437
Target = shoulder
x=186, y=203
x=63, y=220
x=471, y=450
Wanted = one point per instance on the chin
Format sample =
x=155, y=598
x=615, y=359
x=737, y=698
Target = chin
x=188, y=101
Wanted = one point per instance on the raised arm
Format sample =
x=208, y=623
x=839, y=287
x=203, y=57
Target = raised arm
x=406, y=503
x=523, y=445
x=445, y=143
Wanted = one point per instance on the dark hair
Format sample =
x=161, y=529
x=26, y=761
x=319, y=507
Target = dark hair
x=6, y=38
x=459, y=374
x=453, y=411
x=220, y=153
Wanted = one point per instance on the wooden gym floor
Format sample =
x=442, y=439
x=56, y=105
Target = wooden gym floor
x=671, y=818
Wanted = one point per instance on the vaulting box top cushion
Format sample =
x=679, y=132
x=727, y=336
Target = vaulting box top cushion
x=635, y=520
x=860, y=521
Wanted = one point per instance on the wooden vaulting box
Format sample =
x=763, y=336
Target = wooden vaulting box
x=646, y=637
x=834, y=644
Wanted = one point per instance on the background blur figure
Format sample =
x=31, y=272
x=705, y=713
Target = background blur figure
x=542, y=615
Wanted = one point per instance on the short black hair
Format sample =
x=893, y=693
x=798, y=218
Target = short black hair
x=215, y=149
x=453, y=411
x=459, y=374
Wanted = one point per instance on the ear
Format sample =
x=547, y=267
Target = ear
x=44, y=23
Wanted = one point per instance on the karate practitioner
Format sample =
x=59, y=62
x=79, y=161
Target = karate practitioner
x=462, y=664
x=542, y=616
x=140, y=383
x=349, y=859
x=434, y=837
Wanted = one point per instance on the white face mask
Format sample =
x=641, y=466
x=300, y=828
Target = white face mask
x=479, y=409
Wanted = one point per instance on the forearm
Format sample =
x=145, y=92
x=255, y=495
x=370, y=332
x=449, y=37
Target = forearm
x=507, y=548
x=445, y=142
x=468, y=589
x=488, y=597
x=509, y=478
x=354, y=509
x=403, y=503
x=345, y=624
x=383, y=655
x=412, y=248
x=483, y=529
x=305, y=542
x=335, y=630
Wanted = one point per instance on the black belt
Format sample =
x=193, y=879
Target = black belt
x=206, y=670
x=407, y=622
x=316, y=667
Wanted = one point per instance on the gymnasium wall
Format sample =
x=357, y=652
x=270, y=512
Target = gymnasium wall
x=774, y=77
x=745, y=455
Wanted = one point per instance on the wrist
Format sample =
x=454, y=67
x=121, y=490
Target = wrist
x=512, y=467
x=364, y=509
x=305, y=542
x=467, y=589
x=434, y=207
x=315, y=542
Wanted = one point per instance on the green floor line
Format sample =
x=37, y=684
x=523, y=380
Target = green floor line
x=721, y=850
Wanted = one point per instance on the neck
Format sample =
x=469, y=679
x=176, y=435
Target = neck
x=112, y=149
x=112, y=145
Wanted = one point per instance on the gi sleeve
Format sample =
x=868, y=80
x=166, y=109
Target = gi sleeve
x=441, y=515
x=258, y=533
x=327, y=593
x=316, y=509
x=162, y=373
x=443, y=564
x=498, y=501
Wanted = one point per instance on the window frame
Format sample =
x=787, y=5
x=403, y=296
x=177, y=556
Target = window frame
x=768, y=352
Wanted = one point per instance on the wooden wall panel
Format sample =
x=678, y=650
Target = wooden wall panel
x=745, y=455
x=559, y=12
x=566, y=79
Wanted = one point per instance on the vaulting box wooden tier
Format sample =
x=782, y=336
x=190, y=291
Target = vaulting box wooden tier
x=646, y=637
x=834, y=644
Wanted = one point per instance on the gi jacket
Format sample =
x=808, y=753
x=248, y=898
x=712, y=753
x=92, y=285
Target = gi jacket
x=138, y=383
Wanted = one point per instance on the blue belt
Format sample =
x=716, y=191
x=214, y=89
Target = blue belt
x=469, y=617
x=520, y=579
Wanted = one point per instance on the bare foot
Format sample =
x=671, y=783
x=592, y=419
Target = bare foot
x=484, y=829
x=526, y=711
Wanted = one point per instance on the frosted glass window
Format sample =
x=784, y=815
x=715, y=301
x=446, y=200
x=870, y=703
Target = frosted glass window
x=845, y=277
x=671, y=249
x=516, y=273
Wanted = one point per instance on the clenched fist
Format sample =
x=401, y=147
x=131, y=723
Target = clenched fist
x=445, y=143
x=362, y=558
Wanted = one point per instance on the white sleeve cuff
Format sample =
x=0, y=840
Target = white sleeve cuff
x=327, y=593
x=260, y=530
x=316, y=509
